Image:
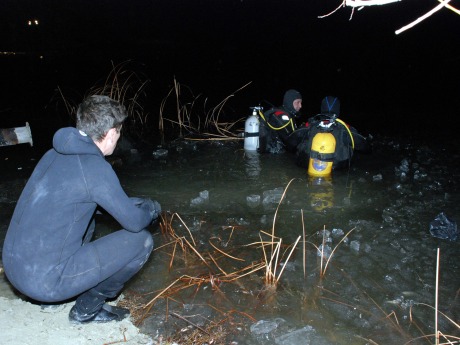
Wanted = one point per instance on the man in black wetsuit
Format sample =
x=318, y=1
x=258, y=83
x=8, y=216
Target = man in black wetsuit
x=347, y=137
x=278, y=123
x=48, y=254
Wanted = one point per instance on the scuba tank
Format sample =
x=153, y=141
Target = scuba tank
x=321, y=155
x=322, y=149
x=251, y=131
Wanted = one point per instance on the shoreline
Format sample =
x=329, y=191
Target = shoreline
x=25, y=323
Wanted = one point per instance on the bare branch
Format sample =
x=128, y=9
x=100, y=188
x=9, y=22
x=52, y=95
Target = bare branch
x=452, y=8
x=442, y=4
x=360, y=3
x=327, y=15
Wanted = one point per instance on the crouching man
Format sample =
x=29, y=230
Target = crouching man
x=48, y=254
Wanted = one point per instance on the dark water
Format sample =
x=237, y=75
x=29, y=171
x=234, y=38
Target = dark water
x=377, y=277
x=379, y=285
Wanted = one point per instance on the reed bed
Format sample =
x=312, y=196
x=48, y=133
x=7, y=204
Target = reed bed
x=193, y=124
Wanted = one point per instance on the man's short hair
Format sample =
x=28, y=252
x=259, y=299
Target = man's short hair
x=97, y=114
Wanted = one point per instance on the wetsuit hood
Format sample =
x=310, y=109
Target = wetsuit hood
x=71, y=141
x=330, y=105
x=289, y=97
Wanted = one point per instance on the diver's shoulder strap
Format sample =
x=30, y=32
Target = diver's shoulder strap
x=349, y=132
x=277, y=119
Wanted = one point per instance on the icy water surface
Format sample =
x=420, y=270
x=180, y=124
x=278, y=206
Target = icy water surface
x=371, y=220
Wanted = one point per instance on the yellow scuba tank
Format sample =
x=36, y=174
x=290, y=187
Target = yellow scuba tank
x=321, y=154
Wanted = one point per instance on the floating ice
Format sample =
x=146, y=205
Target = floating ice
x=305, y=336
x=263, y=327
x=355, y=245
x=404, y=167
x=197, y=201
x=324, y=233
x=200, y=200
x=272, y=196
x=444, y=228
x=420, y=175
x=253, y=200
x=325, y=251
x=160, y=153
x=337, y=232
x=377, y=177
x=204, y=195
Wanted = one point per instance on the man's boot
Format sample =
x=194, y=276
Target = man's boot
x=91, y=307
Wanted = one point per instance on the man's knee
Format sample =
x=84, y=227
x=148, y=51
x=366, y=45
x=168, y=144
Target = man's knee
x=147, y=240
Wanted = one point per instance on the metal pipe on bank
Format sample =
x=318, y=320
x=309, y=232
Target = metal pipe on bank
x=17, y=135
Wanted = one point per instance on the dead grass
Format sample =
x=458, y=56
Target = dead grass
x=218, y=255
x=188, y=120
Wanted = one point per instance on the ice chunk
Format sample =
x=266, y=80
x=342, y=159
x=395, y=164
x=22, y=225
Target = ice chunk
x=253, y=200
x=420, y=175
x=444, y=228
x=160, y=153
x=272, y=196
x=355, y=245
x=325, y=236
x=264, y=219
x=404, y=167
x=197, y=201
x=204, y=195
x=337, y=232
x=305, y=336
x=377, y=178
x=263, y=327
x=325, y=251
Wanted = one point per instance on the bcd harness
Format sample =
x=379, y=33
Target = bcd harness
x=290, y=122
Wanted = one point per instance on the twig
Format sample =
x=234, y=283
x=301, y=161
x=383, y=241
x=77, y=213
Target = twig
x=436, y=300
x=304, y=248
x=190, y=322
x=224, y=253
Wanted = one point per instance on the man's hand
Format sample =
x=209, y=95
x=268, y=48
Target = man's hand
x=150, y=205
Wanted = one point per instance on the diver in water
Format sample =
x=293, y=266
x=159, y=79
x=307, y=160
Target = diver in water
x=347, y=138
x=278, y=124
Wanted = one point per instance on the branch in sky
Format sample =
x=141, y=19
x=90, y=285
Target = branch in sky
x=363, y=3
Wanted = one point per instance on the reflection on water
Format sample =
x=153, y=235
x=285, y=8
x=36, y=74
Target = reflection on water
x=371, y=221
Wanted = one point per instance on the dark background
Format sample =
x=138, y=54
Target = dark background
x=402, y=85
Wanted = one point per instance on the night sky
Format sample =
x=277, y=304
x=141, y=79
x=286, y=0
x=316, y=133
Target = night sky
x=217, y=46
